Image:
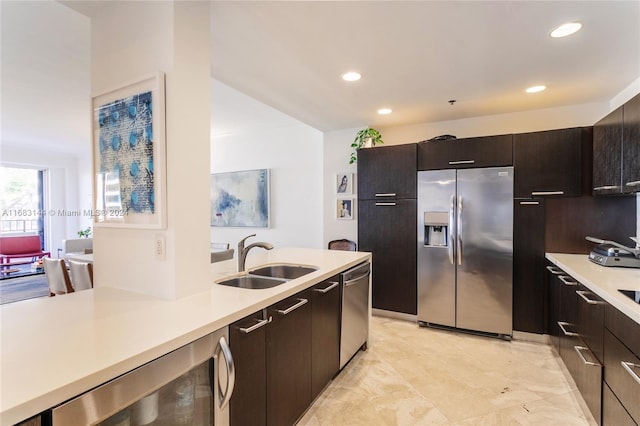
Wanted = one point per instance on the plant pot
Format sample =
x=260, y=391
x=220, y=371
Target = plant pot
x=368, y=142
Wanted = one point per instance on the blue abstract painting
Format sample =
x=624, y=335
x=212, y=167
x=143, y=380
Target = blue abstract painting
x=125, y=145
x=240, y=199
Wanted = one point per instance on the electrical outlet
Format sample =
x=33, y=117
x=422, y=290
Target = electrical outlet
x=159, y=247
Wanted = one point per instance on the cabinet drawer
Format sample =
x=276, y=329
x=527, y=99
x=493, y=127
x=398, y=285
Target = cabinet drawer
x=613, y=413
x=621, y=371
x=624, y=328
x=588, y=378
x=591, y=310
x=489, y=151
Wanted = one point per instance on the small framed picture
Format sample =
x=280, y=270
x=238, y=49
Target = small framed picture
x=344, y=209
x=344, y=183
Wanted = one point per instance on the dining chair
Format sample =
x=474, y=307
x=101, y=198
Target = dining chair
x=57, y=276
x=81, y=275
x=343, y=244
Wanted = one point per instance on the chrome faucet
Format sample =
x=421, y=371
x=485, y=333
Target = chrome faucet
x=243, y=251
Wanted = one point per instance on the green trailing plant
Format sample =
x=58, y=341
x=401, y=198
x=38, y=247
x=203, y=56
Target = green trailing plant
x=361, y=139
x=84, y=233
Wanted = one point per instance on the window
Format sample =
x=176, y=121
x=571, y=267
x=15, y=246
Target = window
x=21, y=201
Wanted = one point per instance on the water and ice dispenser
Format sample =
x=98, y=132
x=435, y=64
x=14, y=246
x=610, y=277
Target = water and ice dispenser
x=436, y=229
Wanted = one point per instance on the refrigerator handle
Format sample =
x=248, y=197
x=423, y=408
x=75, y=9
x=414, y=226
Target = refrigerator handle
x=452, y=206
x=459, y=230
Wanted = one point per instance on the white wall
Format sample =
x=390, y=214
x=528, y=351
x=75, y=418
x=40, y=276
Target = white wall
x=260, y=137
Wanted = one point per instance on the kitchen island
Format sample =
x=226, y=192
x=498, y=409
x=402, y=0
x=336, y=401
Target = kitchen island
x=53, y=349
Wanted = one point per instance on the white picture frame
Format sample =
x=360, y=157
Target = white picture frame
x=129, y=155
x=344, y=183
x=345, y=209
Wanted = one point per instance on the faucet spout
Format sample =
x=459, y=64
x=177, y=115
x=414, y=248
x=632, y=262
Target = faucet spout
x=243, y=251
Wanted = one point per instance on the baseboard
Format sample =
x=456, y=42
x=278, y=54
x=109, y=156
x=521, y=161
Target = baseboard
x=531, y=337
x=393, y=314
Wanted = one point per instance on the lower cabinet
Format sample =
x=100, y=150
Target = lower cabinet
x=613, y=412
x=285, y=355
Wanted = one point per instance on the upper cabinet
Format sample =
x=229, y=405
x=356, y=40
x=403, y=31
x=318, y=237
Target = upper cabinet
x=489, y=151
x=616, y=151
x=387, y=172
x=548, y=163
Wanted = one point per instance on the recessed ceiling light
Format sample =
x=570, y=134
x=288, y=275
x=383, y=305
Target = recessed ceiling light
x=384, y=111
x=566, y=29
x=351, y=76
x=535, y=89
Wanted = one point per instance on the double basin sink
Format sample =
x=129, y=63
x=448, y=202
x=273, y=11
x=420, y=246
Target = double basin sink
x=268, y=276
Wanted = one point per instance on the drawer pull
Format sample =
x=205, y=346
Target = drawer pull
x=386, y=194
x=579, y=350
x=583, y=294
x=333, y=285
x=385, y=204
x=534, y=193
x=633, y=183
x=453, y=163
x=606, y=187
x=629, y=367
x=555, y=270
x=529, y=203
x=564, y=330
x=292, y=308
x=260, y=323
x=565, y=279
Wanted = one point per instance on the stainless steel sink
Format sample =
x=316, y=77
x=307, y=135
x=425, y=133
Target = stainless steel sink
x=284, y=271
x=252, y=282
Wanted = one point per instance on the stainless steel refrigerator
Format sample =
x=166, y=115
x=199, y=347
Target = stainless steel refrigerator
x=465, y=249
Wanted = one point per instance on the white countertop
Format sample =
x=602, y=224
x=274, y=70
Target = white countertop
x=603, y=281
x=53, y=349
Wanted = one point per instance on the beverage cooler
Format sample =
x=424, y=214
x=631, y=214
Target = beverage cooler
x=189, y=386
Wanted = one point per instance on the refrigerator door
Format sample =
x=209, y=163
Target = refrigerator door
x=436, y=249
x=485, y=250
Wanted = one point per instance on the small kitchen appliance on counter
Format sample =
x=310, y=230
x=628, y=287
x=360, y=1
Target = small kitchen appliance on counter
x=610, y=253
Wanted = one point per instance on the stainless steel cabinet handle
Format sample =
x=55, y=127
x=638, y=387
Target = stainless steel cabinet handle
x=606, y=187
x=529, y=203
x=562, y=326
x=292, y=308
x=579, y=350
x=385, y=204
x=554, y=270
x=534, y=193
x=353, y=280
x=386, y=194
x=452, y=207
x=565, y=280
x=629, y=367
x=583, y=294
x=231, y=373
x=462, y=162
x=333, y=285
x=260, y=323
x=633, y=183
x=459, y=230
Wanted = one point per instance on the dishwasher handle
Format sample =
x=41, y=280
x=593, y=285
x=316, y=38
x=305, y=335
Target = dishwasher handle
x=356, y=279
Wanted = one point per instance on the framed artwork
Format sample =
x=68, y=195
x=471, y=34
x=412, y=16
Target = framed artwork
x=344, y=183
x=240, y=199
x=344, y=209
x=128, y=128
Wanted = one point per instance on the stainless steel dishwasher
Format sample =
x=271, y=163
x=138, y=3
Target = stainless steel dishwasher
x=355, y=311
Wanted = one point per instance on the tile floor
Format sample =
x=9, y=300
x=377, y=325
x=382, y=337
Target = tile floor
x=418, y=376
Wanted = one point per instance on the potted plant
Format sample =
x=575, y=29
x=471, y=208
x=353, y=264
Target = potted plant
x=84, y=233
x=365, y=138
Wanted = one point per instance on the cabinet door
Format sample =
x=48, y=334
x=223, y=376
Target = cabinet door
x=621, y=372
x=631, y=146
x=528, y=266
x=607, y=154
x=489, y=151
x=555, y=288
x=591, y=309
x=289, y=360
x=568, y=317
x=325, y=334
x=389, y=231
x=247, y=339
x=387, y=172
x=548, y=163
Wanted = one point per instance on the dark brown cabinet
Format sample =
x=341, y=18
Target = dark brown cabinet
x=488, y=151
x=388, y=230
x=387, y=224
x=549, y=163
x=616, y=151
x=613, y=412
x=289, y=360
x=591, y=309
x=325, y=334
x=553, y=309
x=387, y=172
x=528, y=266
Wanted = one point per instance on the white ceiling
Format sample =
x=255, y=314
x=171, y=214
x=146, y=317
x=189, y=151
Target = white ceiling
x=414, y=56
